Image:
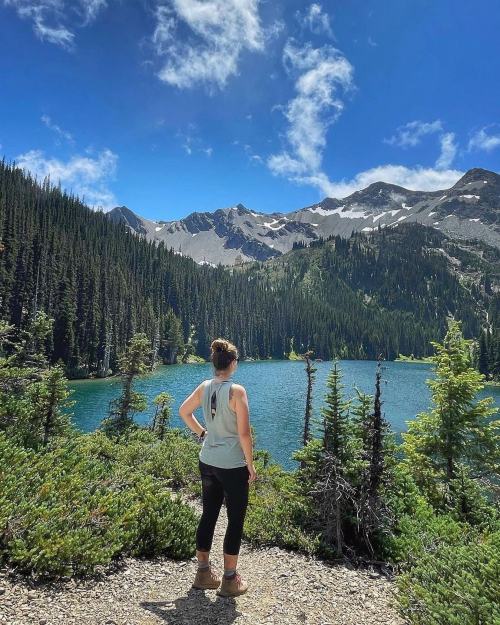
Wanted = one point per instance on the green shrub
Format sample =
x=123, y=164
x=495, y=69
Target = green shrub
x=65, y=511
x=277, y=511
x=454, y=585
x=174, y=459
x=57, y=516
x=450, y=570
x=162, y=523
x=417, y=529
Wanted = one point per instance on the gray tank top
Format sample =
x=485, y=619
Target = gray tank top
x=221, y=446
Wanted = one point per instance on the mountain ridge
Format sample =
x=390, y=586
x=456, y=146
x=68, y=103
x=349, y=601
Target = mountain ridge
x=470, y=209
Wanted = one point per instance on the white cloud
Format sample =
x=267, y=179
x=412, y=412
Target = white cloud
x=448, y=150
x=410, y=134
x=252, y=156
x=54, y=20
x=60, y=132
x=85, y=176
x=218, y=32
x=91, y=8
x=484, y=140
x=322, y=74
x=59, y=35
x=414, y=178
x=191, y=142
x=315, y=19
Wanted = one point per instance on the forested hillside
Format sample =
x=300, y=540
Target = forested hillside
x=387, y=293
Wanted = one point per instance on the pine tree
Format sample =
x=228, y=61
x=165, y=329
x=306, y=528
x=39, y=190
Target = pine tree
x=483, y=360
x=458, y=434
x=133, y=362
x=376, y=446
x=333, y=492
x=162, y=415
x=156, y=346
x=49, y=400
x=173, y=341
x=310, y=371
x=33, y=396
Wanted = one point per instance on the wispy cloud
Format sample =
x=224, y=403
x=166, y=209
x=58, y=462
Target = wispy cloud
x=60, y=132
x=85, y=176
x=410, y=134
x=323, y=74
x=249, y=151
x=55, y=20
x=215, y=33
x=485, y=139
x=91, y=8
x=448, y=150
x=315, y=19
x=191, y=142
x=317, y=105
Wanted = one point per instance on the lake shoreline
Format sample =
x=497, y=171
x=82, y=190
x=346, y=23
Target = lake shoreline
x=114, y=376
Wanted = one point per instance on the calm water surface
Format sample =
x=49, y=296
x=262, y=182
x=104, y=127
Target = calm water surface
x=276, y=391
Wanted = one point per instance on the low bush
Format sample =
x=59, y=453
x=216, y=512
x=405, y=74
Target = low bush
x=454, y=584
x=161, y=522
x=173, y=460
x=277, y=511
x=65, y=512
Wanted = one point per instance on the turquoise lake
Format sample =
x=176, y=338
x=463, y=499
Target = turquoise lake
x=276, y=391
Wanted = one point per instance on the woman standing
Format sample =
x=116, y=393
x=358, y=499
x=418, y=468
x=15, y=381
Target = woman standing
x=225, y=463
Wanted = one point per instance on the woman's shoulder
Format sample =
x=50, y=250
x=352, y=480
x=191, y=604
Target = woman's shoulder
x=202, y=386
x=238, y=389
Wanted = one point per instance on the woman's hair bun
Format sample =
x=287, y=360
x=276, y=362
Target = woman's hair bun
x=223, y=353
x=220, y=345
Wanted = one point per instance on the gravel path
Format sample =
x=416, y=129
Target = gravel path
x=284, y=588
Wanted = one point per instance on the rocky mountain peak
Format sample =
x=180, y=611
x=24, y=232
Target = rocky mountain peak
x=478, y=176
x=123, y=214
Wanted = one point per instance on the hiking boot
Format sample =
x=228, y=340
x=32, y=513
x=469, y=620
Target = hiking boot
x=206, y=579
x=232, y=587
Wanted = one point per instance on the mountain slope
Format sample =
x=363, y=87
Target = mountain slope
x=470, y=209
x=411, y=269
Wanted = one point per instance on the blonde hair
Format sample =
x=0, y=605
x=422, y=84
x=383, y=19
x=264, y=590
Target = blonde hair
x=222, y=354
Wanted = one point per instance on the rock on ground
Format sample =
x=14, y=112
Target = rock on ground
x=284, y=588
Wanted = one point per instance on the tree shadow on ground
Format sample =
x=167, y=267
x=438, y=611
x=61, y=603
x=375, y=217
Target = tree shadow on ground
x=194, y=607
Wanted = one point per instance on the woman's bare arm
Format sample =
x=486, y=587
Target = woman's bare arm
x=243, y=423
x=188, y=406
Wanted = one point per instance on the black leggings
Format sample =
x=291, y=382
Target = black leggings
x=219, y=484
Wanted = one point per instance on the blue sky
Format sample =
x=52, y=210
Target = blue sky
x=172, y=106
